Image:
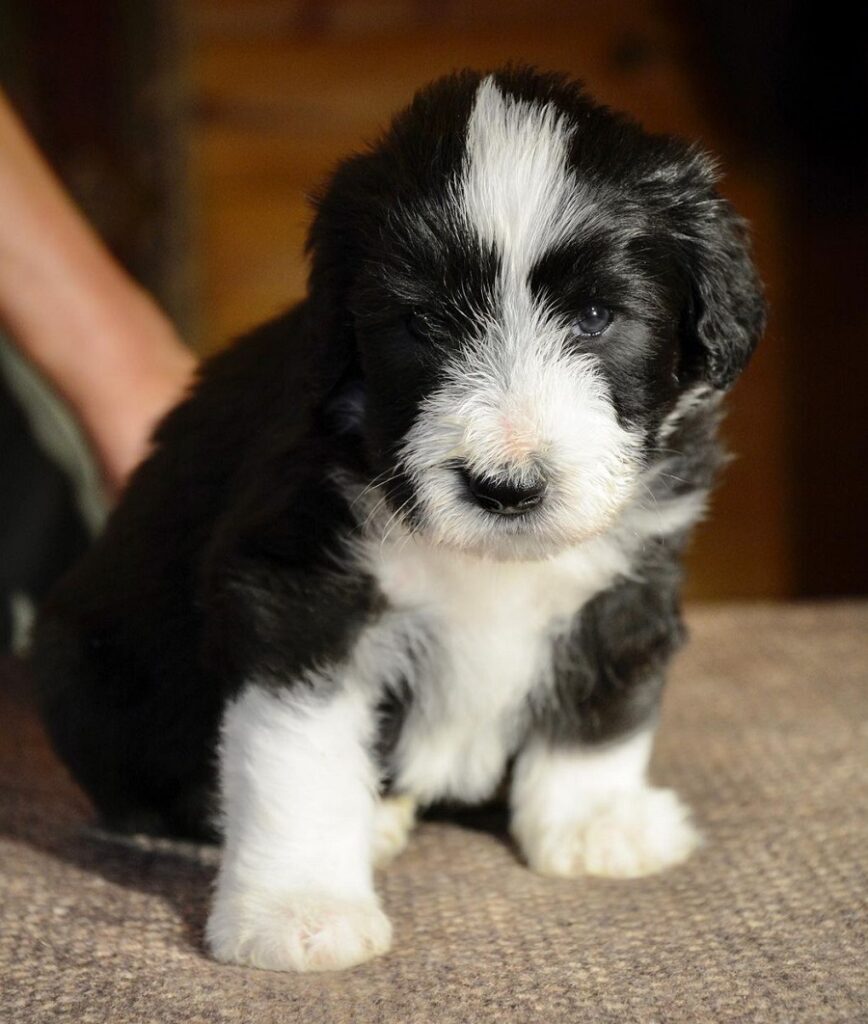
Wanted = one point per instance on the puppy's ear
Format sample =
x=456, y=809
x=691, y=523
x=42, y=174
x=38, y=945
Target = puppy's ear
x=333, y=247
x=725, y=310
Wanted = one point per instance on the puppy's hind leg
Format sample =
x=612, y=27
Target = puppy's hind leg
x=295, y=888
x=394, y=819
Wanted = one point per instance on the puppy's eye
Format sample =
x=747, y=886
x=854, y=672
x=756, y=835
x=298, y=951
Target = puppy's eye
x=418, y=327
x=592, y=320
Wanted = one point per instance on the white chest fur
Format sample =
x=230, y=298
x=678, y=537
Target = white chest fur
x=491, y=626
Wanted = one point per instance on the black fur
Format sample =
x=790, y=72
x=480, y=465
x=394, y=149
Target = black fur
x=220, y=564
x=609, y=666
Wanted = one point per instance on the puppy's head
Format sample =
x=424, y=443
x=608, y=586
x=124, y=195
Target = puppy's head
x=526, y=284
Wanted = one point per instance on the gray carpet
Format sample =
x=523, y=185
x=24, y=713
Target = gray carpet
x=766, y=734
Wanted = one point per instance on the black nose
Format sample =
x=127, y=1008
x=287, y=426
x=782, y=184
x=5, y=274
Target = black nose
x=502, y=498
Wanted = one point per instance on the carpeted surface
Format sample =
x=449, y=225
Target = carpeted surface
x=765, y=733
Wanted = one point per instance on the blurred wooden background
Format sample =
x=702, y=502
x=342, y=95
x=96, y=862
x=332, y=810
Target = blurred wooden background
x=261, y=97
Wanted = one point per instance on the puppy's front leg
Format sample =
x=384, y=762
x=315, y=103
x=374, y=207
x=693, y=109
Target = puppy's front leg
x=581, y=802
x=584, y=809
x=295, y=889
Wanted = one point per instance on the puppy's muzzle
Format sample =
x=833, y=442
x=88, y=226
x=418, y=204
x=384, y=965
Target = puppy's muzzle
x=503, y=497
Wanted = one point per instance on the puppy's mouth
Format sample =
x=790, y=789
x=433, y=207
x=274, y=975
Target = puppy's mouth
x=496, y=514
x=504, y=513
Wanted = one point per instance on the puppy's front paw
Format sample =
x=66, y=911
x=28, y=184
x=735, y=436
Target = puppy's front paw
x=622, y=835
x=297, y=932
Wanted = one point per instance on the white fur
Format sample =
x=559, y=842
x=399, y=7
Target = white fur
x=295, y=886
x=304, y=930
x=393, y=822
x=696, y=396
x=654, y=517
x=493, y=622
x=517, y=191
x=591, y=812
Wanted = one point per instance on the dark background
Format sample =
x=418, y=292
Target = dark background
x=190, y=132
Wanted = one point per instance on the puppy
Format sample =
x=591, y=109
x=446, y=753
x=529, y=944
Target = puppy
x=425, y=530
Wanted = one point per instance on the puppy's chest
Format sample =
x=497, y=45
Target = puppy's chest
x=483, y=634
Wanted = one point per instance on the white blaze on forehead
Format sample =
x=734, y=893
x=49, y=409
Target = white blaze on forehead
x=517, y=191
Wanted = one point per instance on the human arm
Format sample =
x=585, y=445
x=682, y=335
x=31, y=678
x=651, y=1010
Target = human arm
x=99, y=338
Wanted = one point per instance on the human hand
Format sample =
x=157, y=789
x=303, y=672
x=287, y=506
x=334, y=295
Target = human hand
x=141, y=369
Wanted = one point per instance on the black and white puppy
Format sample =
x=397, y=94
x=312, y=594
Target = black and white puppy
x=424, y=531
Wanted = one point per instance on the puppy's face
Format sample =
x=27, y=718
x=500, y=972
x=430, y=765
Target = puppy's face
x=518, y=278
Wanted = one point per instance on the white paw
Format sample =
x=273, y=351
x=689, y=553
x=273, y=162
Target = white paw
x=297, y=932
x=393, y=820
x=622, y=835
